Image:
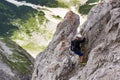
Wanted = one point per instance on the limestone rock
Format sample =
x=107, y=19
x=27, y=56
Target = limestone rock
x=15, y=62
x=101, y=50
x=57, y=61
x=103, y=43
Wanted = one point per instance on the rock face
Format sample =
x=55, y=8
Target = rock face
x=103, y=44
x=102, y=47
x=15, y=63
x=57, y=61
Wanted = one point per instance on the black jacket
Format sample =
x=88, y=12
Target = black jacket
x=75, y=44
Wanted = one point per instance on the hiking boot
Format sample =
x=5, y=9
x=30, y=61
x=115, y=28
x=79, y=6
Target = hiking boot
x=83, y=63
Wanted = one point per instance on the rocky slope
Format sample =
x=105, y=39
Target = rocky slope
x=15, y=63
x=102, y=48
x=56, y=62
x=103, y=44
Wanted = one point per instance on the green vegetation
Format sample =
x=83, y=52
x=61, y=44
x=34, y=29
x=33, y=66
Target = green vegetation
x=62, y=4
x=8, y=13
x=75, y=2
x=19, y=60
x=49, y=3
x=21, y=23
x=26, y=32
x=27, y=29
x=57, y=17
x=32, y=47
x=92, y=1
x=20, y=66
x=84, y=9
x=69, y=3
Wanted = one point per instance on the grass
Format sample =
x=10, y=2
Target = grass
x=57, y=17
x=33, y=47
x=62, y=4
x=85, y=8
x=18, y=62
x=27, y=29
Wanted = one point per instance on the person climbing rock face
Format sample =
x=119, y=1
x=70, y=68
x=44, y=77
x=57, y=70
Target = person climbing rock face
x=75, y=46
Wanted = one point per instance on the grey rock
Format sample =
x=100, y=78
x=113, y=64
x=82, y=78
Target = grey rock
x=103, y=44
x=15, y=62
x=57, y=61
x=101, y=50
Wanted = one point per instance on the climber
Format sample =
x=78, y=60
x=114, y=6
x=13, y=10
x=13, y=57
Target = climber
x=76, y=46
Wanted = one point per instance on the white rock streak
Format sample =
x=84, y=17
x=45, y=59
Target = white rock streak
x=6, y=69
x=49, y=12
x=5, y=48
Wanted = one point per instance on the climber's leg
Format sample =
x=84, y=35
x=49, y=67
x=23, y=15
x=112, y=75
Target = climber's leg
x=80, y=55
x=81, y=59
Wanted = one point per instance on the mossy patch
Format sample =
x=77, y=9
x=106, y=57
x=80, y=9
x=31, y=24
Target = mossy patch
x=19, y=60
x=34, y=47
x=84, y=9
x=56, y=17
x=20, y=66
